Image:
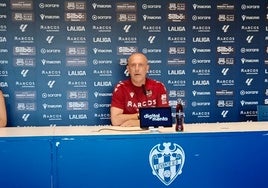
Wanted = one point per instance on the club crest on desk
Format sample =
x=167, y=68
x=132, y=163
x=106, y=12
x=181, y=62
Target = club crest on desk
x=167, y=161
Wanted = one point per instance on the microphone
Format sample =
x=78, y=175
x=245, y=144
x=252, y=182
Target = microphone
x=144, y=89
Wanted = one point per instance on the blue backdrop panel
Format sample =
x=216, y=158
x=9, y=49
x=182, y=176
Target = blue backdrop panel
x=211, y=160
x=26, y=162
x=59, y=61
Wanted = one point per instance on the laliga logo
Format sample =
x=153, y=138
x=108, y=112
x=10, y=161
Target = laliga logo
x=167, y=161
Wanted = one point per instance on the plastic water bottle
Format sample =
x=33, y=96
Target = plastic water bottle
x=179, y=116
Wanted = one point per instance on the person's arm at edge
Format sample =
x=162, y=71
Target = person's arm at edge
x=3, y=113
x=120, y=119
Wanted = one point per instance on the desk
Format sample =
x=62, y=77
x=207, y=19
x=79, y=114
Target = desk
x=210, y=155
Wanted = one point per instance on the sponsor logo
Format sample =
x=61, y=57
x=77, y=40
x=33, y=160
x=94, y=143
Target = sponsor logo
x=225, y=103
x=101, y=6
x=75, y=17
x=126, y=50
x=249, y=50
x=24, y=84
x=248, y=103
x=202, y=114
x=51, y=95
x=76, y=61
x=50, y=62
x=78, y=105
x=250, y=28
x=21, y=5
x=151, y=29
x=201, y=72
x=103, y=62
x=102, y=51
x=3, y=39
x=102, y=116
x=175, y=17
x=226, y=18
x=51, y=73
x=244, y=92
x=248, y=113
x=148, y=6
x=201, y=61
x=224, y=93
x=150, y=18
x=198, y=104
x=98, y=94
x=102, y=83
x=48, y=5
x=31, y=95
x=201, y=18
x=75, y=5
x=177, y=50
x=52, y=117
x=249, y=71
x=50, y=51
x=201, y=39
x=23, y=39
x=225, y=82
x=103, y=72
x=77, y=94
x=3, y=5
x=128, y=40
x=148, y=50
x=176, y=28
x=49, y=17
x=77, y=116
x=202, y=7
x=250, y=7
x=22, y=16
x=225, y=6
x=224, y=50
x=76, y=51
x=77, y=84
x=126, y=7
x=102, y=28
x=176, y=6
x=176, y=83
x=226, y=61
x=50, y=28
x=25, y=117
x=76, y=28
x=3, y=62
x=201, y=29
x=24, y=50
x=201, y=93
x=201, y=50
x=200, y=82
x=226, y=39
x=51, y=106
x=176, y=61
x=249, y=18
x=97, y=105
x=178, y=93
x=126, y=17
x=26, y=106
x=3, y=28
x=3, y=84
x=76, y=40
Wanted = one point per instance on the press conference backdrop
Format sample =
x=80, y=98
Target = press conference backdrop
x=60, y=60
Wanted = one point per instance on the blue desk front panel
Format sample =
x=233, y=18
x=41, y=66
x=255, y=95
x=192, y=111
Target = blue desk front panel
x=211, y=160
x=25, y=162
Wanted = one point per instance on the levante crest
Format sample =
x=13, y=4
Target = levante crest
x=167, y=161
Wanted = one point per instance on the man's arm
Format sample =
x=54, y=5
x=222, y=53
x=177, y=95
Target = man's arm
x=126, y=120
